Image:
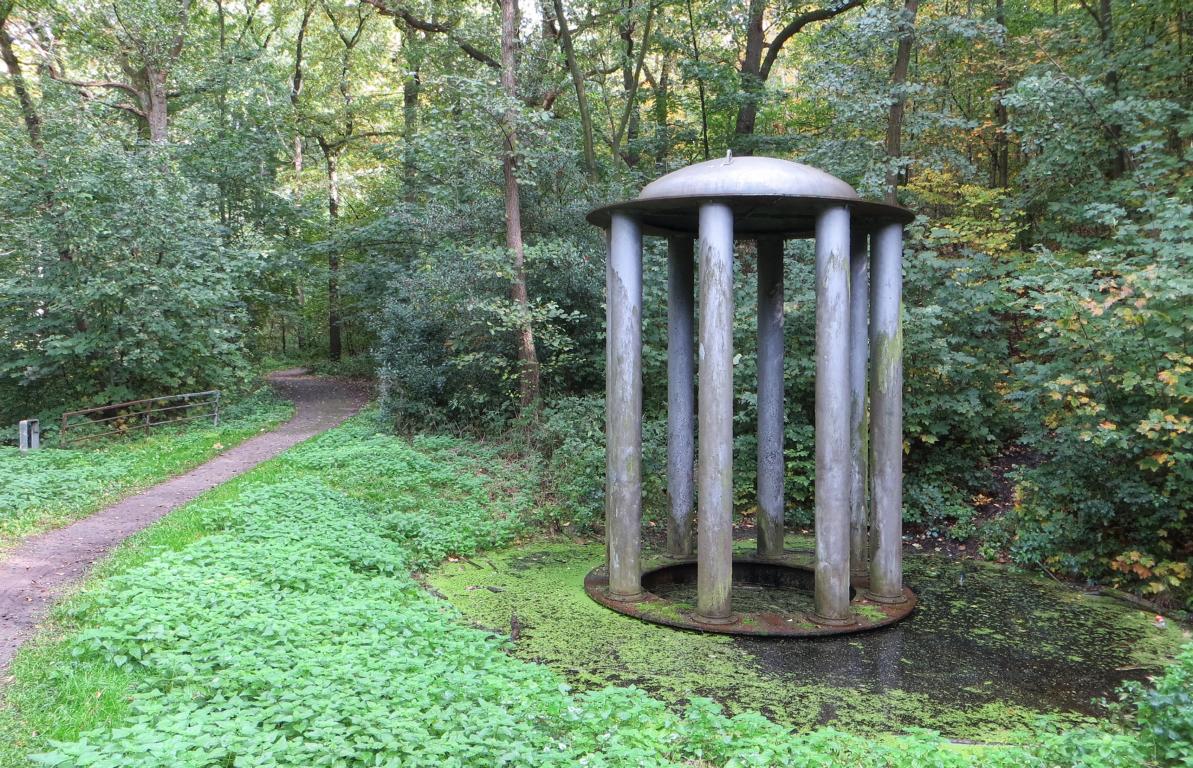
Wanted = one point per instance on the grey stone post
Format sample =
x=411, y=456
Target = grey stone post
x=859, y=425
x=886, y=414
x=681, y=397
x=623, y=408
x=832, y=417
x=29, y=435
x=714, y=547
x=770, y=398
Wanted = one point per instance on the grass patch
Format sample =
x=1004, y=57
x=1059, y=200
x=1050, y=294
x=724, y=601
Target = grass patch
x=49, y=488
x=276, y=622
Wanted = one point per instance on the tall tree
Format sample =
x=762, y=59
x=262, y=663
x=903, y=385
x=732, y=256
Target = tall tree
x=1103, y=16
x=528, y=364
x=894, y=125
x=21, y=88
x=755, y=69
x=145, y=43
x=1000, y=154
x=569, y=52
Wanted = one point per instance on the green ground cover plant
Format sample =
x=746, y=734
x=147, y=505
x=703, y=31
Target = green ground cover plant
x=276, y=621
x=49, y=488
x=954, y=667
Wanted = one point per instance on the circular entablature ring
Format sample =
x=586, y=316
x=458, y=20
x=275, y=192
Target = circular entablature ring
x=868, y=614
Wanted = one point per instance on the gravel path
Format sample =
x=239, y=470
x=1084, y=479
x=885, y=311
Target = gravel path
x=38, y=570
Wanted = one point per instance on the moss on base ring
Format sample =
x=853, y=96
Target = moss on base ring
x=767, y=596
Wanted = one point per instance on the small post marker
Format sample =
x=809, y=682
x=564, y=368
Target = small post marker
x=29, y=435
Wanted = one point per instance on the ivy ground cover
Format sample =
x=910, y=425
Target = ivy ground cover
x=277, y=622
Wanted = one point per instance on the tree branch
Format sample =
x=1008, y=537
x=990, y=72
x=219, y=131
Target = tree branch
x=793, y=28
x=422, y=25
x=134, y=92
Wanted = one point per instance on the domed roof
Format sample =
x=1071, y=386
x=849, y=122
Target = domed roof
x=734, y=176
x=768, y=197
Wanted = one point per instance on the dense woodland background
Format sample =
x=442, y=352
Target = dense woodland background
x=194, y=189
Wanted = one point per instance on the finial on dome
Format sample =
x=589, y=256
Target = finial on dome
x=728, y=157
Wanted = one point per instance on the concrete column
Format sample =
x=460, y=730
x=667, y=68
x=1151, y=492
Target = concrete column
x=859, y=424
x=681, y=397
x=832, y=417
x=714, y=548
x=770, y=398
x=623, y=408
x=886, y=415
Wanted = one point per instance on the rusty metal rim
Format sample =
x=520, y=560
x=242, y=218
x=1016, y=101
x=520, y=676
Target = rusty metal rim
x=658, y=610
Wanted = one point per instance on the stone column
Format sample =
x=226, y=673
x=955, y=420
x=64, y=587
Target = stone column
x=770, y=398
x=623, y=408
x=832, y=417
x=715, y=468
x=859, y=425
x=681, y=397
x=886, y=414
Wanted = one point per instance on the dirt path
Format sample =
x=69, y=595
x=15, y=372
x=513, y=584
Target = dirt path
x=37, y=571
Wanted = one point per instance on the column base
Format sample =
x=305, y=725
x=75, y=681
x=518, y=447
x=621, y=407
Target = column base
x=885, y=599
x=824, y=621
x=637, y=597
x=732, y=618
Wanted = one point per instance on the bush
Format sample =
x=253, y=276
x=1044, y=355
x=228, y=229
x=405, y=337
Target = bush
x=1106, y=397
x=116, y=282
x=572, y=439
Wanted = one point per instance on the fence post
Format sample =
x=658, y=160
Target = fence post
x=29, y=435
x=215, y=417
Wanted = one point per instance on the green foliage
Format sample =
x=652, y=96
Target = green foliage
x=54, y=486
x=285, y=629
x=571, y=437
x=116, y=284
x=1164, y=713
x=1107, y=397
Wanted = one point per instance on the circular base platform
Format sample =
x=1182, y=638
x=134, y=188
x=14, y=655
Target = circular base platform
x=771, y=598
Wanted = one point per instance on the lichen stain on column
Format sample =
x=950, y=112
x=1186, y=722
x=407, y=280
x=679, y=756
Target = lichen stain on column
x=623, y=510
x=715, y=468
x=859, y=347
x=886, y=417
x=832, y=588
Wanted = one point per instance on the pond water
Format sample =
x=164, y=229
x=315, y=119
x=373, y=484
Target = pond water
x=987, y=652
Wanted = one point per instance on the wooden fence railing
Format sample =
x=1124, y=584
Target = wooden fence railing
x=137, y=415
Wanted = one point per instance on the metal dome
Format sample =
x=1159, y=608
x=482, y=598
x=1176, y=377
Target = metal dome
x=735, y=176
x=769, y=198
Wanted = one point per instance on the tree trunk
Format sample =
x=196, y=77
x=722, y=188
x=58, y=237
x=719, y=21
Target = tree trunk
x=334, y=322
x=411, y=89
x=699, y=81
x=1000, y=152
x=156, y=112
x=662, y=109
x=894, y=126
x=528, y=364
x=569, y=52
x=13, y=65
x=756, y=68
x=1114, y=129
x=751, y=80
x=629, y=81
